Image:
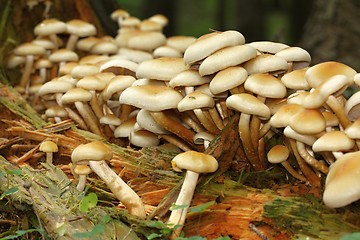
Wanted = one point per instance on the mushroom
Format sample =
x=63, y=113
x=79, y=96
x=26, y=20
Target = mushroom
x=78, y=28
x=280, y=154
x=79, y=97
x=151, y=98
x=96, y=154
x=29, y=51
x=210, y=43
x=82, y=170
x=194, y=163
x=198, y=102
x=50, y=27
x=226, y=57
x=341, y=185
x=248, y=105
x=48, y=147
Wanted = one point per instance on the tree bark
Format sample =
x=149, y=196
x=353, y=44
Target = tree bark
x=332, y=32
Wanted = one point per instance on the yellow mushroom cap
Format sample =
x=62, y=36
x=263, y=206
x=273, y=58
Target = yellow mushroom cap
x=48, y=146
x=93, y=151
x=195, y=161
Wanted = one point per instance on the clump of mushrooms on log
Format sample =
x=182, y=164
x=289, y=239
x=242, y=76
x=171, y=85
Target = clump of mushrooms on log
x=148, y=89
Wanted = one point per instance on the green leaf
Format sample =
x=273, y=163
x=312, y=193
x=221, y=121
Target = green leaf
x=351, y=236
x=88, y=202
x=178, y=207
x=9, y=192
x=153, y=236
x=201, y=208
x=14, y=172
x=20, y=233
x=106, y=219
x=156, y=224
x=98, y=228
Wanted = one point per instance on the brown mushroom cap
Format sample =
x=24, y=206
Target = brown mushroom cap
x=195, y=100
x=211, y=42
x=76, y=95
x=151, y=97
x=80, y=28
x=226, y=57
x=227, y=79
x=321, y=72
x=268, y=47
x=48, y=147
x=93, y=151
x=195, y=161
x=334, y=141
x=265, y=85
x=163, y=68
x=341, y=186
x=49, y=26
x=308, y=121
x=248, y=104
x=266, y=63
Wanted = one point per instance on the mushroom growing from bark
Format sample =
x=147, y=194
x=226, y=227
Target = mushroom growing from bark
x=194, y=163
x=48, y=147
x=96, y=154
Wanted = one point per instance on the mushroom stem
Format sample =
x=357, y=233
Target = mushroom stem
x=89, y=117
x=27, y=71
x=216, y=118
x=49, y=157
x=81, y=183
x=206, y=122
x=175, y=141
x=310, y=159
x=119, y=188
x=72, y=42
x=178, y=216
x=245, y=136
x=174, y=126
x=305, y=169
x=339, y=111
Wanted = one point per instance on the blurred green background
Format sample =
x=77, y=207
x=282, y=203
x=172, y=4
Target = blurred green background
x=276, y=20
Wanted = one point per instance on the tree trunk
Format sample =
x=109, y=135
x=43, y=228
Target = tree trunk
x=332, y=32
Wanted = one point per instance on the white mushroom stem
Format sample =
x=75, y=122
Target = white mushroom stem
x=310, y=159
x=49, y=157
x=71, y=43
x=76, y=118
x=81, y=183
x=24, y=81
x=89, y=117
x=119, y=188
x=178, y=216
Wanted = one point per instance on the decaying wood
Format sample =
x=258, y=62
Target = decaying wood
x=236, y=210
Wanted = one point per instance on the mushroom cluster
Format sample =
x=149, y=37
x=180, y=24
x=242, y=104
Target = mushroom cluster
x=149, y=89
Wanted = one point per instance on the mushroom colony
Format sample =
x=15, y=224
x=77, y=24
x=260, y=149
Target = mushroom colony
x=148, y=89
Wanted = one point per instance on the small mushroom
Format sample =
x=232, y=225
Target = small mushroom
x=48, y=147
x=280, y=154
x=96, y=154
x=82, y=170
x=194, y=163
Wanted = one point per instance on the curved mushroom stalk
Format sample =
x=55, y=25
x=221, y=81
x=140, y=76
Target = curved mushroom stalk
x=195, y=163
x=178, y=216
x=119, y=188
